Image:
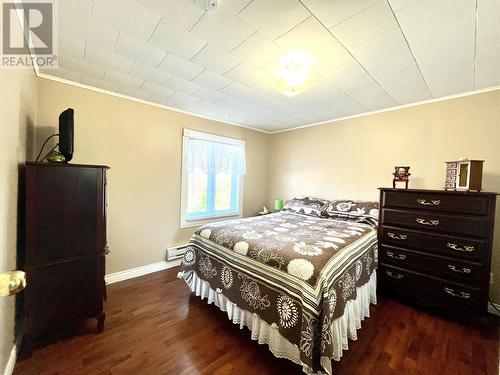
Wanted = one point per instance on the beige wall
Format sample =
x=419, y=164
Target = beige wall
x=351, y=158
x=17, y=118
x=142, y=145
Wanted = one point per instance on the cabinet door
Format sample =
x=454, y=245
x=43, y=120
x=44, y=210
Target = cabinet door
x=64, y=212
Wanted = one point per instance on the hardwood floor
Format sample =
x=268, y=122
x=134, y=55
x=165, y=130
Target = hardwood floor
x=155, y=326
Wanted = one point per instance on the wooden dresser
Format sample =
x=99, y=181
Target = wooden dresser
x=65, y=248
x=435, y=246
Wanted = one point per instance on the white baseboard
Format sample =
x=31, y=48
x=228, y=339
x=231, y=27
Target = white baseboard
x=492, y=310
x=11, y=363
x=141, y=271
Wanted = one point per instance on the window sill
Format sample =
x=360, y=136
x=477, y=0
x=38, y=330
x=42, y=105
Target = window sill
x=197, y=223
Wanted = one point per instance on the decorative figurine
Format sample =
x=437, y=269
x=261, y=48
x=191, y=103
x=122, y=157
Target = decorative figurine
x=264, y=211
x=464, y=174
x=401, y=174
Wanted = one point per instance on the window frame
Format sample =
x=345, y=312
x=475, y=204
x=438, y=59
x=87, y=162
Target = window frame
x=184, y=221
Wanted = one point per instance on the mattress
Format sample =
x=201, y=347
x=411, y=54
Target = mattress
x=296, y=275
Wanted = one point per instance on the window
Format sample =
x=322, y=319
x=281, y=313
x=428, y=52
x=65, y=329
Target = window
x=212, y=177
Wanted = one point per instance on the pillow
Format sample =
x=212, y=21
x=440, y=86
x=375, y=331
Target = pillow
x=357, y=211
x=306, y=205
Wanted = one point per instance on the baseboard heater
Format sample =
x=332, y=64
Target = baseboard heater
x=176, y=252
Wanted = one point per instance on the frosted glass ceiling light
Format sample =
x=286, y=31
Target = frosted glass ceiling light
x=207, y=5
x=294, y=67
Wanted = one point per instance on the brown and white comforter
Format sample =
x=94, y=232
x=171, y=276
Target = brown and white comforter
x=295, y=272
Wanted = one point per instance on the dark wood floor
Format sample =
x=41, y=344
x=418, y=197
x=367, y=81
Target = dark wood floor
x=155, y=326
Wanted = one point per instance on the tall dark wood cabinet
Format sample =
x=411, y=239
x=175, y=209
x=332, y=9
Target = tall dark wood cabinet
x=65, y=248
x=435, y=247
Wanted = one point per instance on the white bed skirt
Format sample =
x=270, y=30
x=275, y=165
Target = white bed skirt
x=343, y=328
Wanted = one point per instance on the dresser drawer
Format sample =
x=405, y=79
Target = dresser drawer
x=468, y=273
x=456, y=247
x=444, y=292
x=436, y=222
x=451, y=202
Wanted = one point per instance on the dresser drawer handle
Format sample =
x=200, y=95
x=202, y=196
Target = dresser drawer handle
x=395, y=276
x=455, y=294
x=465, y=248
x=397, y=237
x=395, y=256
x=425, y=222
x=431, y=203
x=458, y=269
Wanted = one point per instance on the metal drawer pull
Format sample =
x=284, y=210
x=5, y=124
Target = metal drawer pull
x=395, y=276
x=396, y=256
x=457, y=269
x=454, y=246
x=431, y=203
x=424, y=222
x=397, y=237
x=455, y=294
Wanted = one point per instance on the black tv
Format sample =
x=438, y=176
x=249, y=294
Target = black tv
x=66, y=129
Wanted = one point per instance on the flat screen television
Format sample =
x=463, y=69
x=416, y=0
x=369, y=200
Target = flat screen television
x=66, y=129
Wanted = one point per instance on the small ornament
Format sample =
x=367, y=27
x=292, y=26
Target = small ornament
x=264, y=211
x=401, y=174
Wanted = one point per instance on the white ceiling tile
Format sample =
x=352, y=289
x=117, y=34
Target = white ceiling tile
x=182, y=12
x=139, y=51
x=107, y=58
x=357, y=85
x=312, y=37
x=79, y=6
x=374, y=22
x=274, y=18
x=176, y=66
x=126, y=16
x=156, y=90
x=209, y=94
x=82, y=66
x=212, y=80
x=332, y=12
x=382, y=48
x=214, y=59
x=488, y=44
x=257, y=50
x=228, y=37
x=172, y=38
x=342, y=73
x=133, y=93
x=87, y=29
x=441, y=35
x=247, y=74
x=235, y=6
x=180, y=99
x=149, y=74
x=400, y=4
x=70, y=75
x=182, y=85
x=99, y=83
x=69, y=45
x=122, y=79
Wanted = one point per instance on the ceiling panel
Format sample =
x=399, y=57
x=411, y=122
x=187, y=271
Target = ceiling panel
x=215, y=59
x=333, y=12
x=274, y=18
x=488, y=44
x=179, y=67
x=228, y=37
x=172, y=38
x=126, y=16
x=441, y=35
x=368, y=54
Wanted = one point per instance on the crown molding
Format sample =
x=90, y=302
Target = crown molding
x=107, y=92
x=441, y=99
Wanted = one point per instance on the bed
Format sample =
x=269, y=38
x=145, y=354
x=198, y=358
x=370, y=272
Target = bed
x=300, y=282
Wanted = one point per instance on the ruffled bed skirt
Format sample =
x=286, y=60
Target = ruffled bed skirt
x=343, y=328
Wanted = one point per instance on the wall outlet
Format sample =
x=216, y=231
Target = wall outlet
x=491, y=278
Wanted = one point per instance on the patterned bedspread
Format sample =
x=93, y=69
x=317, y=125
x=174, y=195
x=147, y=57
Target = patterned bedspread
x=296, y=272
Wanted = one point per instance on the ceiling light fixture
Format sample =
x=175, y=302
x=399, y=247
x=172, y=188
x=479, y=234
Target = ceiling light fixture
x=293, y=71
x=207, y=5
